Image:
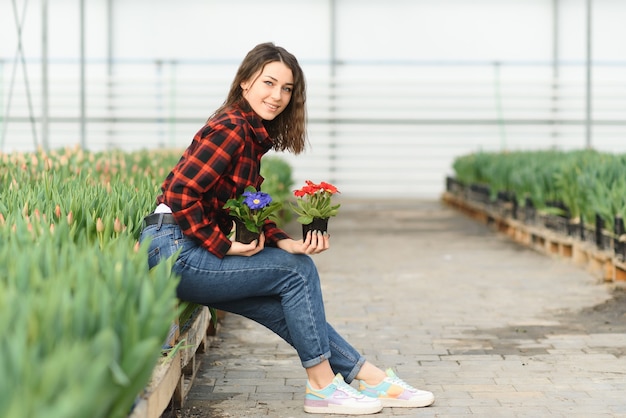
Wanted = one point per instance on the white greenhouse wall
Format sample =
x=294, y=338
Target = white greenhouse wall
x=415, y=82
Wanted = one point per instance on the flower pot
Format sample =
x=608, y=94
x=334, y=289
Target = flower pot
x=242, y=234
x=318, y=224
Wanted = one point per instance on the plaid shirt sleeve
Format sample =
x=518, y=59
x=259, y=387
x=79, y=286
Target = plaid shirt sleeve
x=222, y=160
x=190, y=185
x=273, y=234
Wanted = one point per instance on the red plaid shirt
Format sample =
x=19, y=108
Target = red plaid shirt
x=221, y=161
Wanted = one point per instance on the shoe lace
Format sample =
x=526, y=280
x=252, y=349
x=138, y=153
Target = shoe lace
x=346, y=388
x=396, y=380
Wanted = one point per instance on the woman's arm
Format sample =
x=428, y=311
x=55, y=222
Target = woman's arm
x=199, y=170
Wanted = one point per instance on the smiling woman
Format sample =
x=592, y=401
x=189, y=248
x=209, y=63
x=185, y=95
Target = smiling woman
x=269, y=92
x=271, y=82
x=271, y=280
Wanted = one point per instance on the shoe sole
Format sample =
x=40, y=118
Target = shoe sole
x=402, y=403
x=343, y=410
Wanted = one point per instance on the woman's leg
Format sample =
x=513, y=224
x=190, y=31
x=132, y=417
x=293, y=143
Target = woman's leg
x=284, y=291
x=268, y=311
x=271, y=275
x=279, y=290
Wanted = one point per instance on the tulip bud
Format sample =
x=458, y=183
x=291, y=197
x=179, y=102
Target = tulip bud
x=117, y=225
x=52, y=228
x=1, y=219
x=70, y=218
x=99, y=225
x=57, y=211
x=137, y=247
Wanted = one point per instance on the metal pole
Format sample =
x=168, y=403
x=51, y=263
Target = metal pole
x=83, y=130
x=588, y=122
x=44, y=76
x=332, y=99
x=555, y=71
x=499, y=107
x=109, y=37
x=110, y=128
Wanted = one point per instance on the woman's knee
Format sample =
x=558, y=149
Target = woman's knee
x=305, y=266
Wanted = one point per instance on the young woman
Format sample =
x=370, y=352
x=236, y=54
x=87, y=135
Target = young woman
x=273, y=280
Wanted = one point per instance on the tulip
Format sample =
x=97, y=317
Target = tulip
x=117, y=225
x=99, y=225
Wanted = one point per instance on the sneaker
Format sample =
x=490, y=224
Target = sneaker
x=395, y=392
x=339, y=398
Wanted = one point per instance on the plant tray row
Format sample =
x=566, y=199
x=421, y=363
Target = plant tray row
x=174, y=374
x=551, y=235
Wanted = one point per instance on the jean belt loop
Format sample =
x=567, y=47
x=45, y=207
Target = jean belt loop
x=158, y=228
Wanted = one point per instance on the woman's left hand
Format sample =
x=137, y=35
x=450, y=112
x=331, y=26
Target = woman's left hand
x=315, y=243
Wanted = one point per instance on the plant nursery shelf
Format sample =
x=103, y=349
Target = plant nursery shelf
x=603, y=264
x=173, y=376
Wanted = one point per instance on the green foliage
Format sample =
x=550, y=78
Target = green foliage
x=82, y=320
x=81, y=326
x=278, y=183
x=278, y=178
x=585, y=181
x=316, y=207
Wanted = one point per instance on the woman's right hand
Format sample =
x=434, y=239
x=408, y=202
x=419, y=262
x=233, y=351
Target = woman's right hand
x=247, y=250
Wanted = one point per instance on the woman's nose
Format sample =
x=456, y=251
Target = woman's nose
x=276, y=93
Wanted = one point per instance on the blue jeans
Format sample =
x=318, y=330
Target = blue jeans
x=274, y=288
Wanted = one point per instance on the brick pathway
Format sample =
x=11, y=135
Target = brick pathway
x=492, y=328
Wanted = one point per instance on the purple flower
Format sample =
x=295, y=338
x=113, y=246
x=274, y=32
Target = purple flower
x=256, y=200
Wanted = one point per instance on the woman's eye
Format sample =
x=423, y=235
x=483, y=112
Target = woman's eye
x=288, y=89
x=269, y=83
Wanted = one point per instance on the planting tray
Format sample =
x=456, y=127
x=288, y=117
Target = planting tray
x=173, y=377
x=194, y=339
x=601, y=262
x=166, y=377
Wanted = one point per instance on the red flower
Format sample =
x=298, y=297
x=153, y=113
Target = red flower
x=328, y=187
x=312, y=188
x=299, y=193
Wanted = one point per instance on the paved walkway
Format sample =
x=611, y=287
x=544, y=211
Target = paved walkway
x=492, y=328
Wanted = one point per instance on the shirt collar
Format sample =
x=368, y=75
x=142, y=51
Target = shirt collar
x=256, y=123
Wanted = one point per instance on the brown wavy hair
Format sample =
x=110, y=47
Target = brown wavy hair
x=288, y=129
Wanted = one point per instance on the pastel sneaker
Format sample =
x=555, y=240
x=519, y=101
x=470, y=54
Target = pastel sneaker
x=339, y=398
x=395, y=392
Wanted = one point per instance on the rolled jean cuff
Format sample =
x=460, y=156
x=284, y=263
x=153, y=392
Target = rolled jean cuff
x=317, y=360
x=355, y=370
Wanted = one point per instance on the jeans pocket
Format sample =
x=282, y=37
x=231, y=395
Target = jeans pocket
x=154, y=257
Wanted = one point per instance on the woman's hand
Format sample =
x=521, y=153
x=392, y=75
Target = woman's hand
x=315, y=243
x=246, y=250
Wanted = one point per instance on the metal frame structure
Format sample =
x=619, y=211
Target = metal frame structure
x=333, y=63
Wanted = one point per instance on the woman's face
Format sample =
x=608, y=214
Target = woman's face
x=269, y=91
